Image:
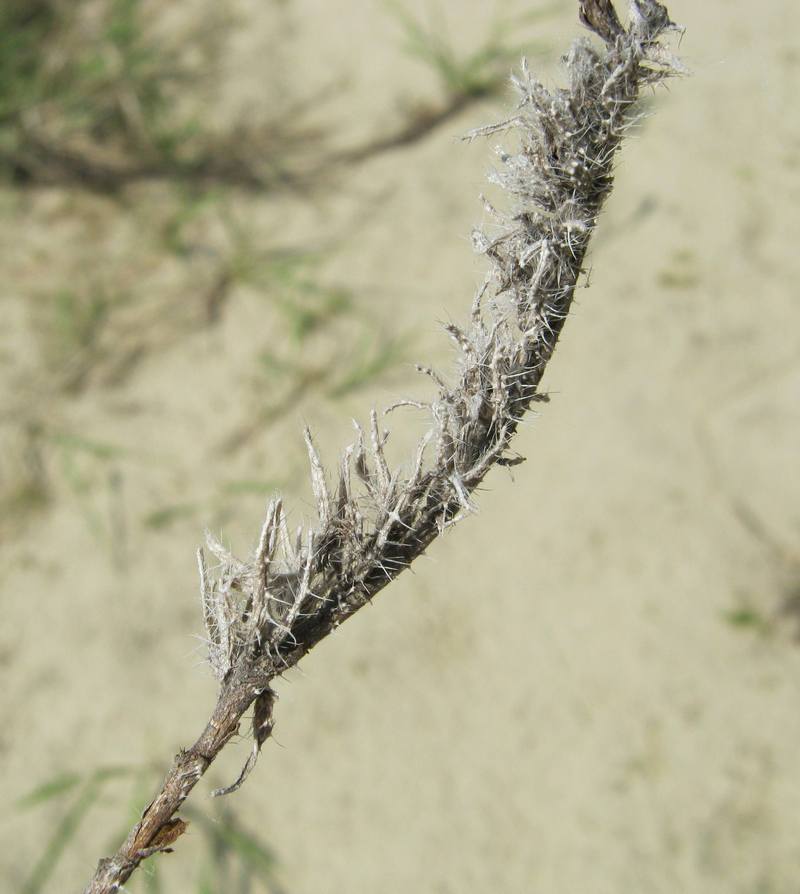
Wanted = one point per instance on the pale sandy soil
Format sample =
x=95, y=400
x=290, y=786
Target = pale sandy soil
x=592, y=687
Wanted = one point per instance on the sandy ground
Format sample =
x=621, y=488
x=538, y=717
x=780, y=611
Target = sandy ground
x=591, y=687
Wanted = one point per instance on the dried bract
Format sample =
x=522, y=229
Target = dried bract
x=264, y=615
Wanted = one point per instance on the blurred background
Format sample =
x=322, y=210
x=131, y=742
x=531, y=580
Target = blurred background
x=220, y=220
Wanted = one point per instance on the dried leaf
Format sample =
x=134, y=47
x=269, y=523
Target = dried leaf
x=262, y=728
x=168, y=834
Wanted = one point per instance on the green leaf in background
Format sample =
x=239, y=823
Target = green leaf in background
x=233, y=853
x=152, y=881
x=53, y=788
x=88, y=791
x=90, y=446
x=204, y=886
x=482, y=71
x=167, y=515
x=253, y=486
x=227, y=839
x=370, y=361
x=62, y=835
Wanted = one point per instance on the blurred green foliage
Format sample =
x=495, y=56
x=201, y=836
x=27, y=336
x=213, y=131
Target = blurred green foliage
x=235, y=861
x=97, y=95
x=74, y=86
x=481, y=71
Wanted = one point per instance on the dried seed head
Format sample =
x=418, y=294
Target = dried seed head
x=266, y=613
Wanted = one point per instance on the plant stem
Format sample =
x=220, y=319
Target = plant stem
x=263, y=615
x=158, y=829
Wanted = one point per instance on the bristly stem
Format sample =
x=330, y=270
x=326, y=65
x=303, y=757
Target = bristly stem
x=265, y=613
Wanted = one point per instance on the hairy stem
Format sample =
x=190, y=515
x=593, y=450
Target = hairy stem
x=265, y=613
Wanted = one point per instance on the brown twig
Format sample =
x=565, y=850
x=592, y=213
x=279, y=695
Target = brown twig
x=265, y=613
x=158, y=827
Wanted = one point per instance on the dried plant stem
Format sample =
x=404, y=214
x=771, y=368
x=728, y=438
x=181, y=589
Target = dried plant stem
x=158, y=827
x=265, y=613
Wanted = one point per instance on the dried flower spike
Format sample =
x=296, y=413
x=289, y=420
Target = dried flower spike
x=263, y=615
